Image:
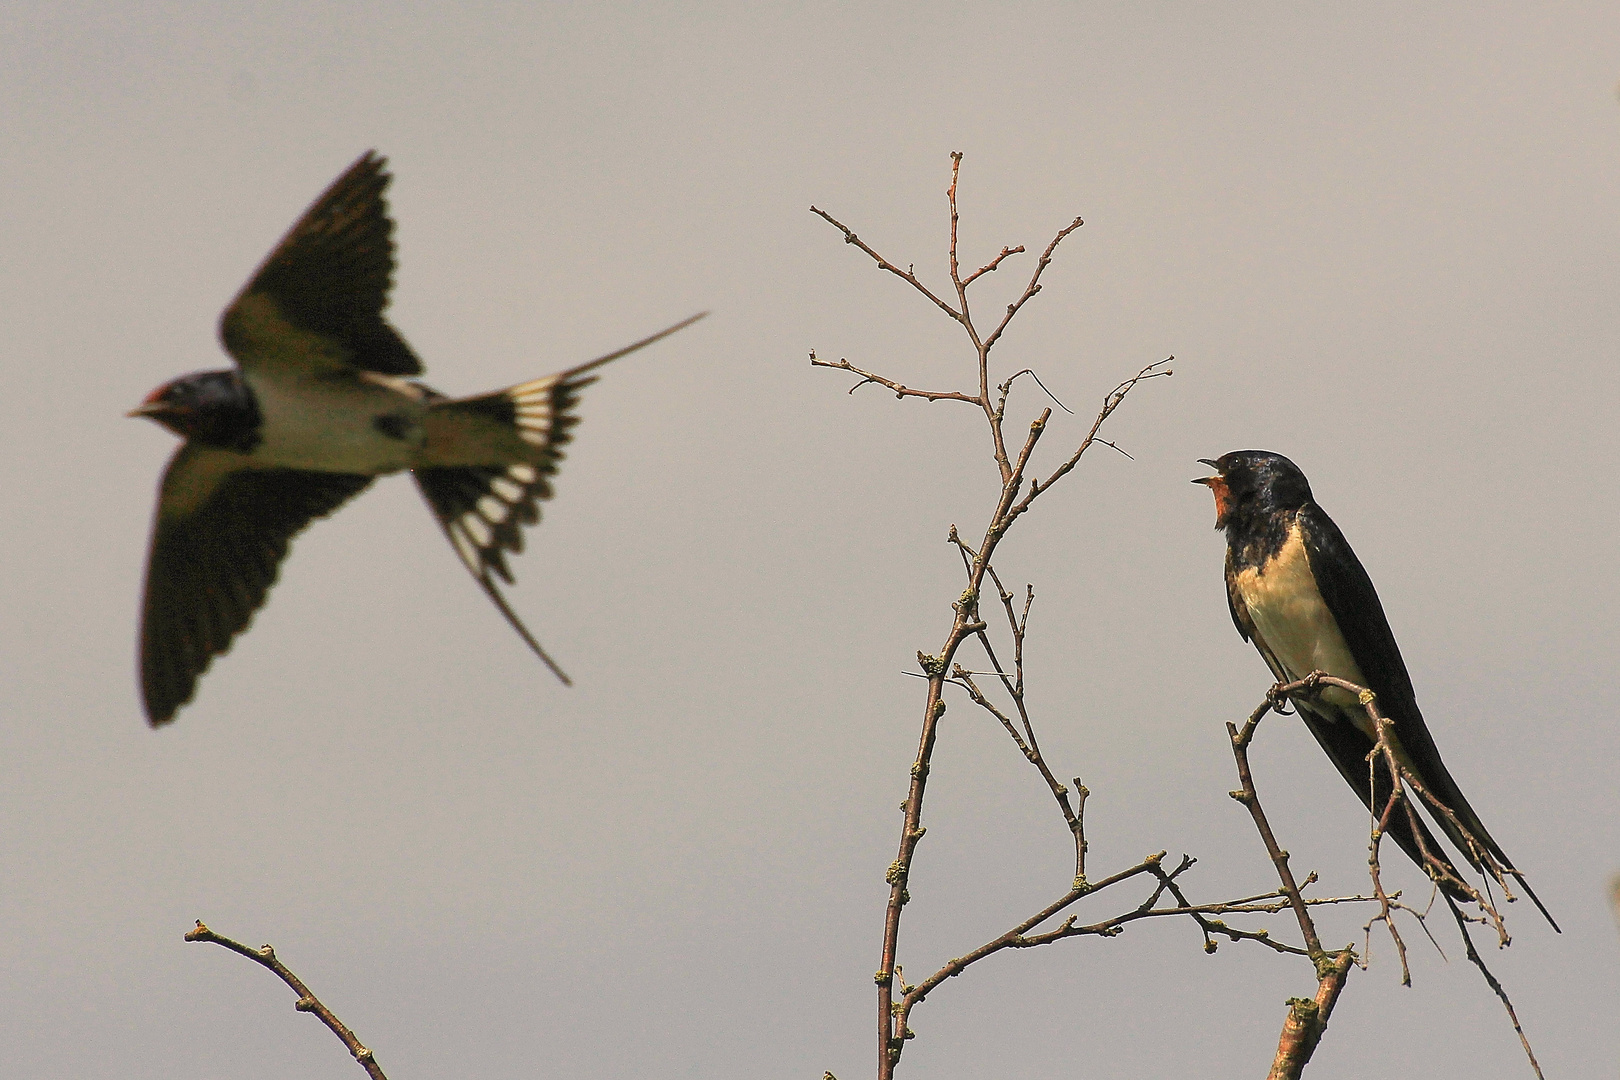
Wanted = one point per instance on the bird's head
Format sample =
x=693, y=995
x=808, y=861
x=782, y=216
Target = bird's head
x=213, y=407
x=1253, y=483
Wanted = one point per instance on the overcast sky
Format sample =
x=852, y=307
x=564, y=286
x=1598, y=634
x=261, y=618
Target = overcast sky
x=1384, y=242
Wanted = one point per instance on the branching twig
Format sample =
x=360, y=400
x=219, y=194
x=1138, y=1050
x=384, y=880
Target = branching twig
x=908, y=275
x=1307, y=1017
x=1435, y=863
x=307, y=1002
x=1166, y=881
x=992, y=264
x=900, y=391
x=1251, y=800
x=1018, y=491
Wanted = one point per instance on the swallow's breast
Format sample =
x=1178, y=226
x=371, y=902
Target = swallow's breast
x=1294, y=620
x=331, y=424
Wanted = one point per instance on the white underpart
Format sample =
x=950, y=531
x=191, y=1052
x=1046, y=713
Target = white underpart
x=318, y=413
x=1295, y=623
x=328, y=425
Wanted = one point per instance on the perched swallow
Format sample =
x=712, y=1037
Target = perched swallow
x=318, y=405
x=1299, y=593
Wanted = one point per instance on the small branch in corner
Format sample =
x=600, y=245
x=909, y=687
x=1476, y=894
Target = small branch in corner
x=265, y=956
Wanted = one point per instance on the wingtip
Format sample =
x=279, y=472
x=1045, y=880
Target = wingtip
x=160, y=713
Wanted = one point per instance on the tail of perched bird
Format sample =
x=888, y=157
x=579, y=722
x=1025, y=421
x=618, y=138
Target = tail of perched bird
x=489, y=461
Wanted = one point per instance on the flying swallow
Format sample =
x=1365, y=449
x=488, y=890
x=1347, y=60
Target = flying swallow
x=1298, y=592
x=319, y=404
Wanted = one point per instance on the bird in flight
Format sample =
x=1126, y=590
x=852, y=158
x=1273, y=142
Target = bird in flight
x=320, y=403
x=1298, y=592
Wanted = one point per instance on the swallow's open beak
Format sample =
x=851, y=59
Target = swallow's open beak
x=1206, y=480
x=157, y=405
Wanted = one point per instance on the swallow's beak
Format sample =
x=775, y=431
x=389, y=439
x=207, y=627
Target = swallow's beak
x=156, y=405
x=1207, y=480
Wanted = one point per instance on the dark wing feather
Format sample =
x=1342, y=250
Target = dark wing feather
x=217, y=543
x=1351, y=598
x=1344, y=743
x=319, y=297
x=1347, y=746
x=1354, y=604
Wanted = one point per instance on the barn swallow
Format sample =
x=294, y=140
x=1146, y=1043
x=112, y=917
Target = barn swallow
x=1298, y=592
x=319, y=404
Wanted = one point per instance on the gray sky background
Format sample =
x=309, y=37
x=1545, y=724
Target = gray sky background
x=1384, y=242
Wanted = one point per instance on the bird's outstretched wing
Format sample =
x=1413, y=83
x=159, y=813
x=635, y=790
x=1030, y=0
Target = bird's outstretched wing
x=316, y=304
x=1353, y=602
x=219, y=536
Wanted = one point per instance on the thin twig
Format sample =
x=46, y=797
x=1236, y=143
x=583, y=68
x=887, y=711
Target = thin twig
x=884, y=264
x=1034, y=285
x=992, y=264
x=307, y=1002
x=1166, y=881
x=1490, y=980
x=1251, y=800
x=1446, y=877
x=1110, y=404
x=1307, y=1017
x=940, y=668
x=900, y=390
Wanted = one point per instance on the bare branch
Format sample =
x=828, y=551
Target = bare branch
x=941, y=668
x=992, y=264
x=1034, y=285
x=1114, y=400
x=307, y=1002
x=1248, y=796
x=1308, y=1018
x=900, y=390
x=906, y=275
x=1490, y=980
x=1166, y=881
x=1438, y=866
